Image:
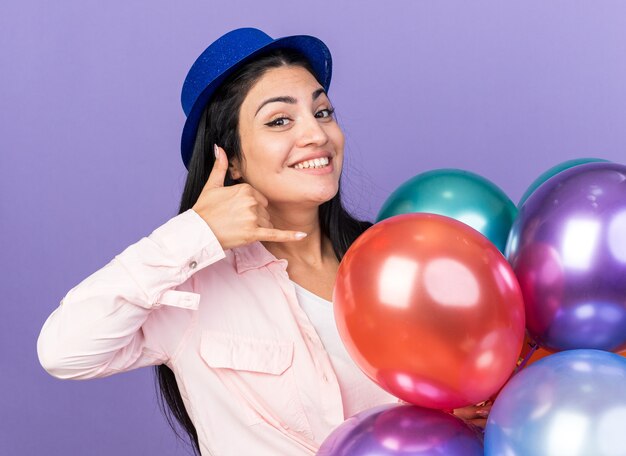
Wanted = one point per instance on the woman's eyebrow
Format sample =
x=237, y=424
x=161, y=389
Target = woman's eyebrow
x=287, y=99
x=317, y=93
x=290, y=100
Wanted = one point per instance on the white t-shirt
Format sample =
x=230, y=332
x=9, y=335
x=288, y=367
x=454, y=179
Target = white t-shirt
x=356, y=388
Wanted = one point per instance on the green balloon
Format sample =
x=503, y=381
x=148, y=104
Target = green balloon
x=553, y=172
x=458, y=194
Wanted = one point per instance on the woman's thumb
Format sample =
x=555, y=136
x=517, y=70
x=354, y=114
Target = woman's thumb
x=218, y=173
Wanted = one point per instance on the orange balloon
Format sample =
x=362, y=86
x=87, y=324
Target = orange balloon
x=430, y=310
x=528, y=356
x=539, y=353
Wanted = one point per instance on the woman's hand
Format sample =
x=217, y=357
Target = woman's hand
x=237, y=214
x=475, y=414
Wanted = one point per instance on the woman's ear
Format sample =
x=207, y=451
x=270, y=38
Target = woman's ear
x=234, y=170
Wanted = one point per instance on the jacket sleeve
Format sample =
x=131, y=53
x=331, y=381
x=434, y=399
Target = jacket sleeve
x=110, y=322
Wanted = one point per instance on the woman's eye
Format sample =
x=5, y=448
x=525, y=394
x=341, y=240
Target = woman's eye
x=280, y=122
x=324, y=113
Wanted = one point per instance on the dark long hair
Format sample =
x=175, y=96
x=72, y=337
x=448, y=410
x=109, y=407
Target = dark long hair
x=219, y=125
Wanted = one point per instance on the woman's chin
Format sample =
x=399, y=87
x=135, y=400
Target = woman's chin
x=324, y=196
x=306, y=200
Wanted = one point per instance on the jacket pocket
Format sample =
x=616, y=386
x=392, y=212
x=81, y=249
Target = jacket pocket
x=258, y=372
x=242, y=353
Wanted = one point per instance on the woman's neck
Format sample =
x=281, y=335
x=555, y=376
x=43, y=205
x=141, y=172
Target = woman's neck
x=313, y=250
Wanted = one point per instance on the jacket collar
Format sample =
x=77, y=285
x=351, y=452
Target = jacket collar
x=254, y=256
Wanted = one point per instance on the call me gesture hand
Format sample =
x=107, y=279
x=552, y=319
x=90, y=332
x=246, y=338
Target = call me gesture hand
x=237, y=214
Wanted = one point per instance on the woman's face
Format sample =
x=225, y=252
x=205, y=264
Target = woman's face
x=286, y=120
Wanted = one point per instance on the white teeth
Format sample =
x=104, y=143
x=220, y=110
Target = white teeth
x=315, y=163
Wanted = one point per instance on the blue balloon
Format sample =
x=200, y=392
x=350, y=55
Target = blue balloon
x=570, y=403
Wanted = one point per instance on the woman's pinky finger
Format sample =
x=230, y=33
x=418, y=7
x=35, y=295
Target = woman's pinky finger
x=478, y=422
x=274, y=235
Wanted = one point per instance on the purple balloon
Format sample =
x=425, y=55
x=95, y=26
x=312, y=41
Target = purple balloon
x=568, y=250
x=404, y=430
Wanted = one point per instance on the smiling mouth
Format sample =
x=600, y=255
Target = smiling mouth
x=316, y=163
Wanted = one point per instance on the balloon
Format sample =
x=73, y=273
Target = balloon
x=568, y=250
x=553, y=172
x=461, y=195
x=529, y=355
x=569, y=403
x=402, y=430
x=429, y=309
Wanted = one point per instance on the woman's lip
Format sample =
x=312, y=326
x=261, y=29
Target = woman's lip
x=325, y=170
x=313, y=158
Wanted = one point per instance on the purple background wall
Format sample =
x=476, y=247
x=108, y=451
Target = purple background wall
x=89, y=134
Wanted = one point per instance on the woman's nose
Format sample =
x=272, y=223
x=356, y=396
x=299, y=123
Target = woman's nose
x=311, y=132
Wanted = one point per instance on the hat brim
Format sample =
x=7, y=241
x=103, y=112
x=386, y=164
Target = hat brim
x=313, y=49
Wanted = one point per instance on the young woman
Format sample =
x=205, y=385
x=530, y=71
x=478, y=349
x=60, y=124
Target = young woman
x=230, y=299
